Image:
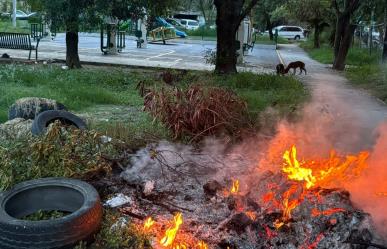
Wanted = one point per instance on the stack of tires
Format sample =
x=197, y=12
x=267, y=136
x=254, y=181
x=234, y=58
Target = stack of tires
x=43, y=112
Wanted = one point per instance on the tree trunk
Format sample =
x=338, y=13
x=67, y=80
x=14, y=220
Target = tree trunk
x=317, y=32
x=227, y=22
x=342, y=23
x=384, y=56
x=345, y=44
x=269, y=26
x=72, y=57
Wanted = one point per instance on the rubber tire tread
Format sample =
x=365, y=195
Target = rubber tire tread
x=59, y=233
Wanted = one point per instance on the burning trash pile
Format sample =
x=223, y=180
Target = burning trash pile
x=220, y=199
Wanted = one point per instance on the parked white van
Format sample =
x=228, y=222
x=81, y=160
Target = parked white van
x=290, y=32
x=189, y=24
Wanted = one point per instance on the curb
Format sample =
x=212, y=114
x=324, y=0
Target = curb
x=280, y=57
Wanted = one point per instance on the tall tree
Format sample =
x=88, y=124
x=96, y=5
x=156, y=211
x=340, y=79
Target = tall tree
x=68, y=14
x=207, y=8
x=230, y=14
x=314, y=12
x=345, y=29
x=264, y=14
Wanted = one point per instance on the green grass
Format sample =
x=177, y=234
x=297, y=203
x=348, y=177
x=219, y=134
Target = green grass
x=265, y=39
x=259, y=91
x=108, y=98
x=372, y=78
x=263, y=91
x=356, y=56
x=77, y=89
x=92, y=92
x=21, y=27
x=202, y=31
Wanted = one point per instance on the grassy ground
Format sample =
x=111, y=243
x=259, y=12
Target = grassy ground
x=372, y=78
x=356, y=56
x=265, y=39
x=95, y=93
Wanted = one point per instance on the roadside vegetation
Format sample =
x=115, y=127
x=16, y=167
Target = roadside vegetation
x=6, y=26
x=83, y=91
x=112, y=101
x=356, y=56
x=365, y=69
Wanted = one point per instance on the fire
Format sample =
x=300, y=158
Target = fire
x=314, y=173
x=148, y=223
x=171, y=232
x=180, y=246
x=251, y=215
x=324, y=171
x=316, y=212
x=235, y=187
x=202, y=245
x=294, y=169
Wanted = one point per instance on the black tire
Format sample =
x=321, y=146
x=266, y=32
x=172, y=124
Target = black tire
x=78, y=198
x=297, y=38
x=42, y=121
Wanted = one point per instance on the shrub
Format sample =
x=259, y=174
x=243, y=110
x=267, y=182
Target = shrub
x=197, y=111
x=60, y=153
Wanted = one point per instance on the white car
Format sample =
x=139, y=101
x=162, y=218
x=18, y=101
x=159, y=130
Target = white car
x=290, y=32
x=189, y=24
x=20, y=15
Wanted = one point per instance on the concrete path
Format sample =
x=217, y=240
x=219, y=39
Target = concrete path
x=352, y=113
x=177, y=54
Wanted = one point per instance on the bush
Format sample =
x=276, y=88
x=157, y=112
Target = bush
x=202, y=31
x=197, y=111
x=60, y=153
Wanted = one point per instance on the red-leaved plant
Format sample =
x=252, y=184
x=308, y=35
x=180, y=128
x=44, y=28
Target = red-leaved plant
x=197, y=111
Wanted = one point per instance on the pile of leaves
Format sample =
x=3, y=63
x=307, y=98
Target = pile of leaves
x=59, y=153
x=197, y=111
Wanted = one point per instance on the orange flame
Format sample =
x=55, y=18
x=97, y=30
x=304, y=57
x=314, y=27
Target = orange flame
x=294, y=169
x=325, y=171
x=316, y=212
x=202, y=245
x=251, y=215
x=288, y=206
x=171, y=232
x=235, y=187
x=180, y=246
x=149, y=222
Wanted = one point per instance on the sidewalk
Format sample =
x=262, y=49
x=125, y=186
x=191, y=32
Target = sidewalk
x=355, y=114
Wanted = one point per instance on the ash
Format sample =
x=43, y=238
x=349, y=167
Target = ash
x=166, y=178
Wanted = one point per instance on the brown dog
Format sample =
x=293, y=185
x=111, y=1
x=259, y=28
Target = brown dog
x=294, y=65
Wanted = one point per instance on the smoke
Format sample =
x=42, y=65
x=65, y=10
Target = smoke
x=369, y=191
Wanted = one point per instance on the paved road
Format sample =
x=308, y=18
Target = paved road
x=180, y=54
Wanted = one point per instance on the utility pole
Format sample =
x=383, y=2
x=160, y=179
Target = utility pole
x=14, y=13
